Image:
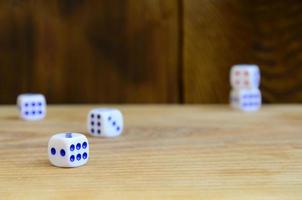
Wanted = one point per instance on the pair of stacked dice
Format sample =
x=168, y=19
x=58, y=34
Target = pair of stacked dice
x=72, y=149
x=245, y=81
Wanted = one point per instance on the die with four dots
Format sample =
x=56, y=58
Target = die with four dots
x=68, y=150
x=31, y=106
x=245, y=76
x=105, y=122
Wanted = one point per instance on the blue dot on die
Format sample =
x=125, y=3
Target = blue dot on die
x=33, y=104
x=113, y=123
x=40, y=104
x=78, y=146
x=62, y=152
x=92, y=115
x=99, y=116
x=33, y=112
x=71, y=147
x=68, y=135
x=84, y=155
x=71, y=158
x=118, y=128
x=26, y=105
x=26, y=113
x=99, y=131
x=99, y=123
x=84, y=145
x=79, y=156
x=53, y=151
x=92, y=123
x=109, y=118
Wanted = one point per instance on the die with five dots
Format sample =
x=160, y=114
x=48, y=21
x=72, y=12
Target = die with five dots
x=105, y=122
x=31, y=106
x=245, y=76
x=68, y=150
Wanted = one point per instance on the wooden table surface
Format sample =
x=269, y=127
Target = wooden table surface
x=165, y=152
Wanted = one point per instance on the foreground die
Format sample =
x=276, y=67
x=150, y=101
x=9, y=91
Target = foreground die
x=32, y=106
x=245, y=99
x=105, y=122
x=245, y=76
x=68, y=150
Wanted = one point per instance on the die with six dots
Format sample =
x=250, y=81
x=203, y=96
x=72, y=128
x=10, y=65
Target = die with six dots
x=68, y=150
x=105, y=122
x=31, y=106
x=246, y=99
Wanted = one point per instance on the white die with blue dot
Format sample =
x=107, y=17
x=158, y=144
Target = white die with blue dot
x=31, y=106
x=68, y=149
x=246, y=99
x=106, y=122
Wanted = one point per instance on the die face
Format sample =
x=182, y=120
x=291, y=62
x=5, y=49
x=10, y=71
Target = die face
x=246, y=100
x=95, y=122
x=235, y=99
x=113, y=124
x=105, y=122
x=68, y=150
x=245, y=76
x=32, y=106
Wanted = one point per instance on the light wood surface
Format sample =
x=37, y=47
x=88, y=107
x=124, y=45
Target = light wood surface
x=165, y=152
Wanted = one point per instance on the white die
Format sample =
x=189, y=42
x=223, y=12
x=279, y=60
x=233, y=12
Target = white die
x=105, y=122
x=68, y=150
x=245, y=76
x=246, y=99
x=32, y=106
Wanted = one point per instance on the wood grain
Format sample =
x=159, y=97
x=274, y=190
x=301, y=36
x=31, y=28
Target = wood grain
x=16, y=49
x=173, y=51
x=173, y=152
x=91, y=51
x=218, y=34
x=211, y=46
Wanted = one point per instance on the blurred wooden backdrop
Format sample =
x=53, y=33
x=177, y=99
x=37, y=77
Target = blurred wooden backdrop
x=154, y=51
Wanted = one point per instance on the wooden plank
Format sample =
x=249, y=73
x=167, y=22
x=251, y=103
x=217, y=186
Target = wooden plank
x=99, y=51
x=218, y=34
x=173, y=152
x=16, y=49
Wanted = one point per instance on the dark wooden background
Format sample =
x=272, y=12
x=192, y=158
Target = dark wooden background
x=153, y=51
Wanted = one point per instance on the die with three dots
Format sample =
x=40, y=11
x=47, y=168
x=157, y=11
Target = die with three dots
x=31, y=106
x=68, y=150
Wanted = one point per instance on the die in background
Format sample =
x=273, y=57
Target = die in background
x=68, y=150
x=31, y=106
x=105, y=122
x=246, y=99
x=245, y=76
